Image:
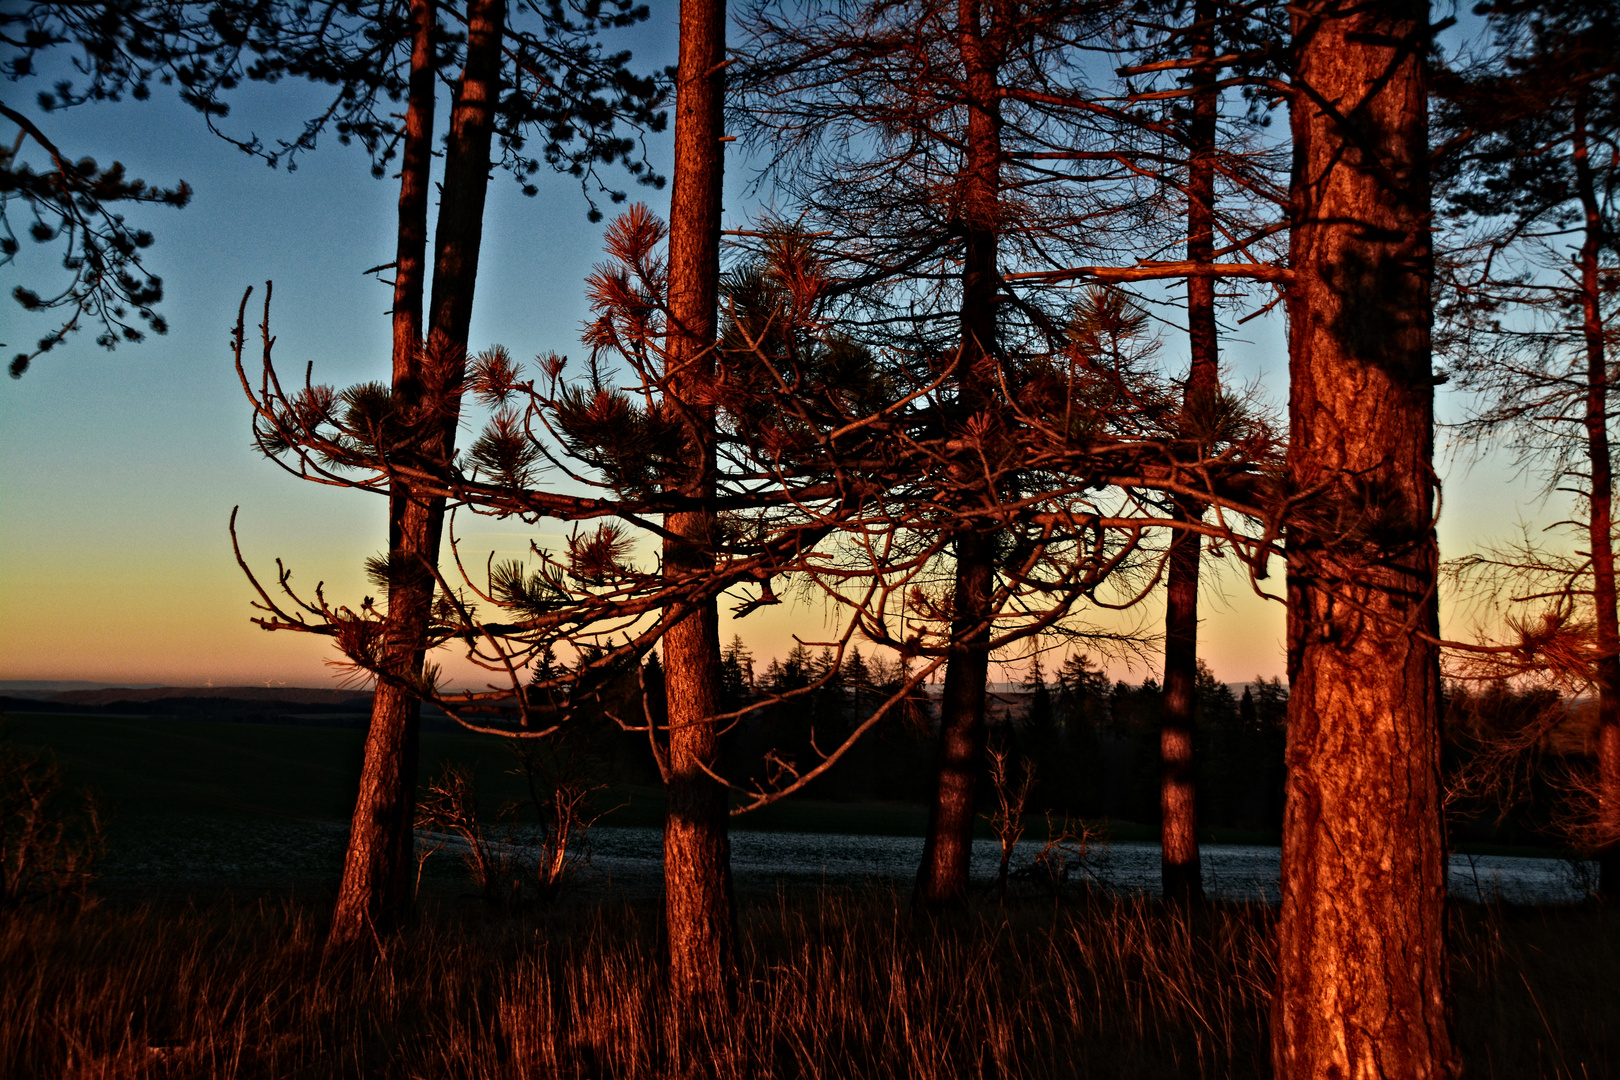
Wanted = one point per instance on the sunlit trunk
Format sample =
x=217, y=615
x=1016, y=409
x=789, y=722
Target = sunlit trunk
x=697, y=854
x=1180, y=873
x=1600, y=524
x=942, y=877
x=1362, y=980
x=415, y=181
x=376, y=873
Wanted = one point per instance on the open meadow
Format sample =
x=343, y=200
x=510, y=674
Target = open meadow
x=200, y=954
x=834, y=983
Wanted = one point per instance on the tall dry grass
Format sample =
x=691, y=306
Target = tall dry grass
x=835, y=984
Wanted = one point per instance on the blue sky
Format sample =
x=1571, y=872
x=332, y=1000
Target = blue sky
x=118, y=471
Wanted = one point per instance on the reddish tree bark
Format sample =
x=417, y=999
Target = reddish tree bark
x=698, y=910
x=1600, y=521
x=942, y=876
x=1180, y=873
x=415, y=180
x=1362, y=981
x=376, y=875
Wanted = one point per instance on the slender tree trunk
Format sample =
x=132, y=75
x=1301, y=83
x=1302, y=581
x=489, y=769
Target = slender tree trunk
x=1600, y=524
x=376, y=866
x=415, y=181
x=1181, y=875
x=698, y=910
x=942, y=877
x=1362, y=980
x=376, y=873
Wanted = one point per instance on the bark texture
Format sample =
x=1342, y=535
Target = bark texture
x=415, y=181
x=942, y=876
x=1362, y=982
x=375, y=888
x=1181, y=875
x=699, y=914
x=1600, y=522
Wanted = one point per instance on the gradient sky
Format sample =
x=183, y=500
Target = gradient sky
x=118, y=471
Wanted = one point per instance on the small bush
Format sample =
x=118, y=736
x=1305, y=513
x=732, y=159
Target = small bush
x=50, y=839
x=513, y=861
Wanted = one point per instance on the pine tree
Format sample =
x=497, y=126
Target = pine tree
x=699, y=916
x=1040, y=716
x=400, y=438
x=1362, y=970
x=736, y=673
x=991, y=171
x=426, y=399
x=1528, y=175
x=74, y=201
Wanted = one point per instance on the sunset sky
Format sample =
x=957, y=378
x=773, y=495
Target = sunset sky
x=118, y=471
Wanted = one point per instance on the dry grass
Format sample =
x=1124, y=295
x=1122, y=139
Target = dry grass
x=835, y=984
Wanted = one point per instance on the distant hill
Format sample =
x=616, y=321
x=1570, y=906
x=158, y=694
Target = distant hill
x=294, y=695
x=303, y=705
x=42, y=689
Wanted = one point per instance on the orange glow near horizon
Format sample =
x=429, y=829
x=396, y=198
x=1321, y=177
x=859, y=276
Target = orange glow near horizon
x=177, y=613
x=109, y=600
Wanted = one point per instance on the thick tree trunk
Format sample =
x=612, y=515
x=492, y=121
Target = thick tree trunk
x=1600, y=523
x=376, y=874
x=1362, y=980
x=698, y=911
x=1180, y=873
x=942, y=877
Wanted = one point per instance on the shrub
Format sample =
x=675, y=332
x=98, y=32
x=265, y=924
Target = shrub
x=50, y=838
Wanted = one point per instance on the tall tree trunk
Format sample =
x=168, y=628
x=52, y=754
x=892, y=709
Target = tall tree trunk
x=942, y=877
x=1180, y=873
x=1600, y=523
x=1362, y=980
x=376, y=873
x=415, y=181
x=376, y=865
x=698, y=911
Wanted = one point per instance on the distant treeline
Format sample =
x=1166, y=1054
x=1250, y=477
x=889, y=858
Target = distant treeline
x=1093, y=742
